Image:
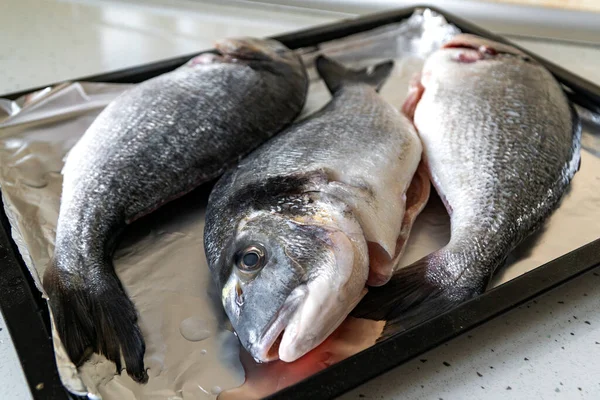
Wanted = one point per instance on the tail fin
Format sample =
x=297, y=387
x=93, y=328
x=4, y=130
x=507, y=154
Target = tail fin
x=335, y=74
x=96, y=318
x=415, y=294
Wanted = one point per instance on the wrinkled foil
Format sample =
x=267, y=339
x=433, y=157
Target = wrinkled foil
x=190, y=349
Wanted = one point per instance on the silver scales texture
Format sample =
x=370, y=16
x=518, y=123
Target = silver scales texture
x=502, y=145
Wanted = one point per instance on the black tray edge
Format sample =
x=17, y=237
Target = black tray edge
x=27, y=320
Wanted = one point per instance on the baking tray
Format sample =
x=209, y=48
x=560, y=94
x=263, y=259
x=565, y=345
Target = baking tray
x=28, y=321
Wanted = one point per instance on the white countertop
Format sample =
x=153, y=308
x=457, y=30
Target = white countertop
x=546, y=349
x=12, y=380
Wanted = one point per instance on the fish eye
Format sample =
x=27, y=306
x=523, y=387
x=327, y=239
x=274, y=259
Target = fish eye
x=251, y=259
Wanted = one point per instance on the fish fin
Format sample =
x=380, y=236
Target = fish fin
x=382, y=266
x=412, y=296
x=101, y=318
x=415, y=92
x=335, y=74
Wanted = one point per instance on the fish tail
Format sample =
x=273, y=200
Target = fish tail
x=415, y=294
x=335, y=74
x=95, y=316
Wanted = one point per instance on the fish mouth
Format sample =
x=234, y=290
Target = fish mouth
x=267, y=348
x=485, y=48
x=468, y=44
x=243, y=49
x=232, y=50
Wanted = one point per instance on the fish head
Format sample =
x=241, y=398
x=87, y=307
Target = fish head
x=468, y=56
x=255, y=51
x=466, y=52
x=291, y=282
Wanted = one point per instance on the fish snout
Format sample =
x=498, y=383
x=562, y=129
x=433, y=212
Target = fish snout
x=267, y=347
x=252, y=49
x=479, y=48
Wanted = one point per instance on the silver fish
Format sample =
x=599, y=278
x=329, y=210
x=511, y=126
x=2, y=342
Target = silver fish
x=501, y=144
x=156, y=142
x=290, y=233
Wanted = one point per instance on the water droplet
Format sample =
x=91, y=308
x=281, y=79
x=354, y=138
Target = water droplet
x=203, y=351
x=195, y=329
x=216, y=390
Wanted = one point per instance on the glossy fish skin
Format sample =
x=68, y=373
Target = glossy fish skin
x=502, y=143
x=313, y=201
x=156, y=142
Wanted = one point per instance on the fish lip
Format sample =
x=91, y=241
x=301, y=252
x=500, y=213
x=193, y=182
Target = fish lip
x=234, y=49
x=486, y=50
x=481, y=49
x=260, y=351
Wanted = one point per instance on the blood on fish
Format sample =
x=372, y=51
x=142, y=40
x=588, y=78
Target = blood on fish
x=263, y=379
x=469, y=57
x=415, y=91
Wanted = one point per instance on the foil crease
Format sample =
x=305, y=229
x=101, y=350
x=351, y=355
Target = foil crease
x=160, y=259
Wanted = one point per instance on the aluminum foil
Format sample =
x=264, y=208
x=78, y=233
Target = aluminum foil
x=191, y=352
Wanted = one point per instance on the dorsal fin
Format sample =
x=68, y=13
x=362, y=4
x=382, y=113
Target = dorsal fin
x=336, y=75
